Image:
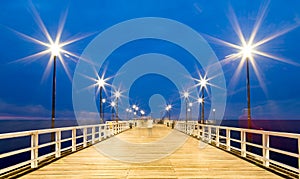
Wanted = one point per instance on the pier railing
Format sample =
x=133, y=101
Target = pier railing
x=262, y=146
x=87, y=135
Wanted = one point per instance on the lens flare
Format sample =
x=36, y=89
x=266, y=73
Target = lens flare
x=53, y=46
x=250, y=48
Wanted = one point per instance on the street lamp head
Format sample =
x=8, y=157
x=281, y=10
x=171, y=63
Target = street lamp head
x=203, y=82
x=55, y=49
x=130, y=111
x=134, y=106
x=101, y=82
x=117, y=94
x=127, y=110
x=103, y=100
x=186, y=94
x=188, y=109
x=113, y=104
x=169, y=106
x=190, y=104
x=247, y=51
x=137, y=108
x=214, y=110
x=200, y=100
x=142, y=112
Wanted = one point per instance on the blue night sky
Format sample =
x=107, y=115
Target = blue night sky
x=26, y=93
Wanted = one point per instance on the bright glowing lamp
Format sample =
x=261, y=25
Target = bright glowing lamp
x=200, y=100
x=55, y=49
x=113, y=104
x=101, y=82
x=247, y=51
x=186, y=94
x=117, y=94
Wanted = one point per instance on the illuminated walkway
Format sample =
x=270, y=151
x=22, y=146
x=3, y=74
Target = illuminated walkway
x=188, y=161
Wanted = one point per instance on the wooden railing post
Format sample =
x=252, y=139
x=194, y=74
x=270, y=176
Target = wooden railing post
x=84, y=137
x=227, y=139
x=99, y=132
x=299, y=157
x=93, y=134
x=203, y=132
x=209, y=134
x=73, y=139
x=266, y=151
x=218, y=137
x=34, y=149
x=187, y=128
x=57, y=143
x=114, y=129
x=243, y=143
x=108, y=130
x=103, y=129
x=198, y=131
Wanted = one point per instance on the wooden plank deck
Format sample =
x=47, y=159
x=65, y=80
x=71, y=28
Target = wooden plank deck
x=188, y=161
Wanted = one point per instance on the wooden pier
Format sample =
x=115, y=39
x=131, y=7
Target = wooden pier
x=188, y=161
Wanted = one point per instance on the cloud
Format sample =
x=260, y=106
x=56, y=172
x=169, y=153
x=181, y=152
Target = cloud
x=14, y=111
x=277, y=109
x=283, y=109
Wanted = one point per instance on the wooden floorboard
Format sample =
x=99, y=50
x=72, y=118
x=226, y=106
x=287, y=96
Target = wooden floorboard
x=188, y=161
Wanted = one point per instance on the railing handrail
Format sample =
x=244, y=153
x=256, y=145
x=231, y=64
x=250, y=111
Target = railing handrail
x=258, y=131
x=205, y=133
x=43, y=131
x=89, y=134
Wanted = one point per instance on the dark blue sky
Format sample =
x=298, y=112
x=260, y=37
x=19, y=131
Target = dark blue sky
x=24, y=92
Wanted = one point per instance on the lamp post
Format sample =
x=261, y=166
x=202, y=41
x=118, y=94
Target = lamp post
x=137, y=111
x=117, y=95
x=202, y=82
x=186, y=96
x=55, y=50
x=214, y=111
x=191, y=112
x=102, y=111
x=246, y=52
x=248, y=94
x=130, y=111
x=169, y=110
x=134, y=110
x=127, y=111
x=53, y=92
x=113, y=104
x=200, y=100
x=142, y=112
x=101, y=82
